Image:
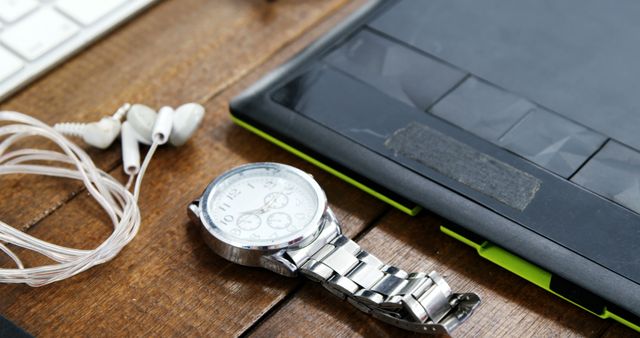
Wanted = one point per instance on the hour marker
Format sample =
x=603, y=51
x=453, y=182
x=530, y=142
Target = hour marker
x=251, y=186
x=233, y=193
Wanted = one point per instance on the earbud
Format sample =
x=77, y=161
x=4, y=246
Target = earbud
x=141, y=118
x=185, y=121
x=142, y=125
x=146, y=126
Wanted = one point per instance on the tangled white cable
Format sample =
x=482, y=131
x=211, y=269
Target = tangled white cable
x=114, y=197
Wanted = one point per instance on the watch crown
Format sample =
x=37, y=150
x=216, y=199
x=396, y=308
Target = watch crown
x=193, y=210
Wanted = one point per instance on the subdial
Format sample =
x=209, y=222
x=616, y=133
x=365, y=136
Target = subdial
x=248, y=222
x=279, y=220
x=276, y=200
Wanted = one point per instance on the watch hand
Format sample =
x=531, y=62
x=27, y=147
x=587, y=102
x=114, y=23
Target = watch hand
x=253, y=212
x=262, y=210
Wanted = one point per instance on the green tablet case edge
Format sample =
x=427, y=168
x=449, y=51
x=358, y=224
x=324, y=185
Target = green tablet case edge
x=526, y=270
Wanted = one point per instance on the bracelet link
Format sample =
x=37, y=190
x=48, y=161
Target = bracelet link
x=316, y=271
x=435, y=303
x=341, y=286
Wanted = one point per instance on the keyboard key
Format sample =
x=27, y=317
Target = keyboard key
x=11, y=10
x=38, y=33
x=9, y=64
x=614, y=172
x=552, y=141
x=87, y=12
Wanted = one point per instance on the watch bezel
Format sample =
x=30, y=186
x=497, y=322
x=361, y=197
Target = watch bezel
x=306, y=235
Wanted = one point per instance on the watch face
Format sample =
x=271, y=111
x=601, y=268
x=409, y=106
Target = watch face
x=263, y=206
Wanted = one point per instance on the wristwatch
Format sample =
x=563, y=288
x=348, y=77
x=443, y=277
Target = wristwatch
x=277, y=217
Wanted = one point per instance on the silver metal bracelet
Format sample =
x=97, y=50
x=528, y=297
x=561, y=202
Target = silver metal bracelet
x=413, y=301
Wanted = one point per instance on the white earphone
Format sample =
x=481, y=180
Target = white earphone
x=142, y=125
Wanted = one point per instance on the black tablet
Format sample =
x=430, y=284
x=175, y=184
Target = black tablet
x=516, y=122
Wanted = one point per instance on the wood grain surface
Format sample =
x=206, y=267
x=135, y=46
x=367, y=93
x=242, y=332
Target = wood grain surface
x=167, y=282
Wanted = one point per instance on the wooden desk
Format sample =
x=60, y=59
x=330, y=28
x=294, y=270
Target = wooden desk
x=167, y=282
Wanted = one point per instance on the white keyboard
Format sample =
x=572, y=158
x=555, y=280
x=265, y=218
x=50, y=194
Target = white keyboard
x=36, y=35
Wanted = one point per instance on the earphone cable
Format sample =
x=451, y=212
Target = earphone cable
x=72, y=163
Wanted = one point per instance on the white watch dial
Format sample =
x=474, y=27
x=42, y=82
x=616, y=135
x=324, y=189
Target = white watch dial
x=263, y=205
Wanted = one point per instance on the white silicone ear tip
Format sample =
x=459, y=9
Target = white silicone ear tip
x=142, y=119
x=186, y=120
x=162, y=127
